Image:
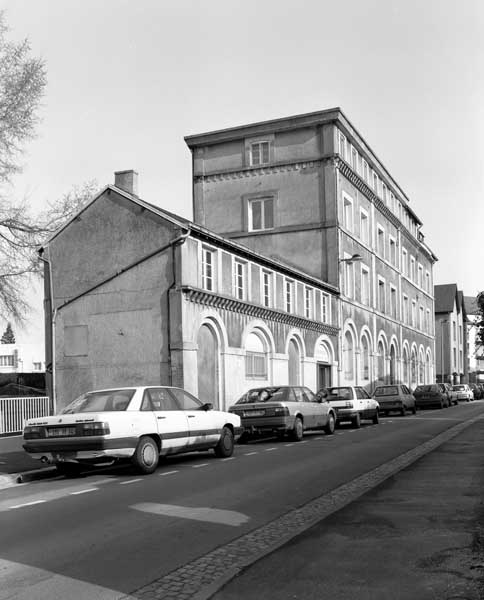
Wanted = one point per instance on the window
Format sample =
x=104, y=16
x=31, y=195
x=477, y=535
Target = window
x=427, y=282
x=267, y=288
x=380, y=241
x=354, y=159
x=393, y=251
x=208, y=269
x=289, y=295
x=342, y=146
x=347, y=212
x=375, y=183
x=393, y=302
x=365, y=170
x=453, y=331
x=259, y=153
x=308, y=302
x=405, y=316
x=405, y=262
x=364, y=226
x=325, y=308
x=185, y=399
x=255, y=358
x=393, y=205
x=7, y=360
x=365, y=285
x=240, y=277
x=384, y=193
x=427, y=321
x=421, y=318
x=349, y=278
x=261, y=214
x=420, y=276
x=412, y=268
x=365, y=358
x=381, y=295
x=37, y=366
x=414, y=313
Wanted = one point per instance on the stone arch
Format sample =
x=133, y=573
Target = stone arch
x=393, y=375
x=349, y=352
x=324, y=355
x=211, y=336
x=295, y=352
x=381, y=354
x=428, y=366
x=406, y=364
x=413, y=365
x=365, y=347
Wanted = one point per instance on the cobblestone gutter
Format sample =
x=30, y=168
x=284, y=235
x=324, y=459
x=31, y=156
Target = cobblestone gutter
x=201, y=578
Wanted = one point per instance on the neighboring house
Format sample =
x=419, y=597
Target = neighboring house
x=308, y=190
x=475, y=352
x=136, y=295
x=21, y=358
x=450, y=334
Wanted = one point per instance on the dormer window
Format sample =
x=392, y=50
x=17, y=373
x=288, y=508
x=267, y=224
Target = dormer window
x=259, y=153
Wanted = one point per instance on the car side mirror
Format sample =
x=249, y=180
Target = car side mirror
x=207, y=406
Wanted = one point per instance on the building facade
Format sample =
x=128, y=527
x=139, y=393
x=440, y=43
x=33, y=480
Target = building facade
x=138, y=296
x=475, y=352
x=308, y=190
x=21, y=358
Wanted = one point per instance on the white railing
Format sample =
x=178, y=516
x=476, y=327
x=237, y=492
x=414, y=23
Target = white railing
x=15, y=411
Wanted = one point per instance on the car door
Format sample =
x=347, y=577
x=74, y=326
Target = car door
x=171, y=421
x=204, y=426
x=317, y=410
x=363, y=401
x=304, y=407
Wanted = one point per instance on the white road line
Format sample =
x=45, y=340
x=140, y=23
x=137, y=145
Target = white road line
x=83, y=491
x=250, y=453
x=288, y=445
x=28, y=504
x=270, y=449
x=168, y=473
x=304, y=442
x=130, y=481
x=229, y=458
x=199, y=466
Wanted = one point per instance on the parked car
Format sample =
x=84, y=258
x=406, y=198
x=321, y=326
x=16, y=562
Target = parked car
x=283, y=409
x=395, y=397
x=476, y=391
x=463, y=392
x=448, y=392
x=351, y=403
x=431, y=394
x=134, y=423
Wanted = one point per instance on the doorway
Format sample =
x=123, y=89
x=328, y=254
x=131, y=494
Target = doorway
x=324, y=375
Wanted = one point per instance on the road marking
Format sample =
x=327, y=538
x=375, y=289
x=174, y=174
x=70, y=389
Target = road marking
x=250, y=453
x=28, y=504
x=288, y=445
x=130, y=481
x=304, y=442
x=229, y=458
x=199, y=466
x=210, y=515
x=270, y=449
x=168, y=473
x=84, y=491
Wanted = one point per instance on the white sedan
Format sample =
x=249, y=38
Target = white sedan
x=136, y=423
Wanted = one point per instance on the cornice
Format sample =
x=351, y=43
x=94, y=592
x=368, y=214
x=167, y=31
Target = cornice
x=254, y=310
x=250, y=171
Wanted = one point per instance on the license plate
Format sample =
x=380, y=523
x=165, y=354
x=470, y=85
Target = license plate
x=254, y=413
x=61, y=431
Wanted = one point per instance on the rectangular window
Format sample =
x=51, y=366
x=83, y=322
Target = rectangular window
x=421, y=318
x=365, y=170
x=375, y=183
x=365, y=285
x=255, y=365
x=289, y=295
x=364, y=226
x=393, y=302
x=381, y=295
x=349, y=273
x=259, y=153
x=354, y=159
x=420, y=276
x=7, y=360
x=427, y=282
x=308, y=302
x=414, y=313
x=325, y=308
x=427, y=321
x=347, y=212
x=405, y=316
x=380, y=241
x=384, y=192
x=412, y=268
x=208, y=266
x=393, y=206
x=261, y=214
x=393, y=251
x=453, y=331
x=404, y=262
x=240, y=277
x=267, y=287
x=342, y=146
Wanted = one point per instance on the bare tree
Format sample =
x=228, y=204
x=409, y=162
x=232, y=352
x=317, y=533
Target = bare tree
x=22, y=86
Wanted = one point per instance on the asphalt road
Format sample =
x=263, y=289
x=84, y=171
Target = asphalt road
x=110, y=533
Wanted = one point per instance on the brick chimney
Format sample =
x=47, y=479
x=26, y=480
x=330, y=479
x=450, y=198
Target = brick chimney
x=127, y=181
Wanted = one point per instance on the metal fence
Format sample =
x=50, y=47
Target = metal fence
x=15, y=411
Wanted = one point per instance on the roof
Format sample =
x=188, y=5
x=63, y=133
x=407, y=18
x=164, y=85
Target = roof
x=445, y=297
x=470, y=303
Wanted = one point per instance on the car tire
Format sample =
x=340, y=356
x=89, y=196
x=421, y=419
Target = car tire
x=330, y=425
x=376, y=418
x=403, y=411
x=414, y=409
x=298, y=430
x=68, y=469
x=225, y=445
x=146, y=455
x=356, y=421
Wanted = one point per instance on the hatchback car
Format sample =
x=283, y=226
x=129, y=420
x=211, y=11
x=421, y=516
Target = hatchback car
x=134, y=423
x=431, y=394
x=463, y=392
x=395, y=397
x=351, y=403
x=283, y=409
x=446, y=389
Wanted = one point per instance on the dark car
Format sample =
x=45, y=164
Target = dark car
x=395, y=397
x=477, y=391
x=431, y=394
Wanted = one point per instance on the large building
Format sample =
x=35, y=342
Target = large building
x=309, y=190
x=475, y=351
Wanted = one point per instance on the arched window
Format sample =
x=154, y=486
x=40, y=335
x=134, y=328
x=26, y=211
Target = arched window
x=393, y=364
x=348, y=357
x=406, y=370
x=294, y=363
x=421, y=368
x=381, y=362
x=414, y=367
x=255, y=357
x=365, y=359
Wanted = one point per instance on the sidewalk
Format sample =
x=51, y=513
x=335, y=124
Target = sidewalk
x=417, y=536
x=15, y=463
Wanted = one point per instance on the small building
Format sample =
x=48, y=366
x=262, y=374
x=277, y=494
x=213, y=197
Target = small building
x=136, y=295
x=21, y=358
x=475, y=351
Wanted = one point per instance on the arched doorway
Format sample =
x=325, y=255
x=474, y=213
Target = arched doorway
x=294, y=363
x=365, y=360
x=406, y=370
x=348, y=358
x=381, y=362
x=208, y=366
x=393, y=364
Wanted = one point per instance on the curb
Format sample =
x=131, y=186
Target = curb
x=13, y=479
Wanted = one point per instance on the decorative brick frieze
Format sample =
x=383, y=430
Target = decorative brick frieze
x=254, y=310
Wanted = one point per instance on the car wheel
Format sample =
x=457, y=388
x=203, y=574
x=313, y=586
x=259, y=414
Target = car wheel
x=330, y=425
x=298, y=430
x=146, y=455
x=402, y=410
x=414, y=409
x=225, y=445
x=68, y=469
x=356, y=421
x=441, y=404
x=376, y=418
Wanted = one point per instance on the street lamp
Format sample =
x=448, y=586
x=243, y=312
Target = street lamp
x=351, y=259
x=442, y=349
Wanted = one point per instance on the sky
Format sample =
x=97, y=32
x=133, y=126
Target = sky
x=127, y=80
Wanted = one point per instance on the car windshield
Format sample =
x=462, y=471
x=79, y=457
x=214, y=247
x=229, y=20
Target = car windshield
x=340, y=392
x=390, y=390
x=263, y=395
x=109, y=400
x=458, y=388
x=426, y=388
